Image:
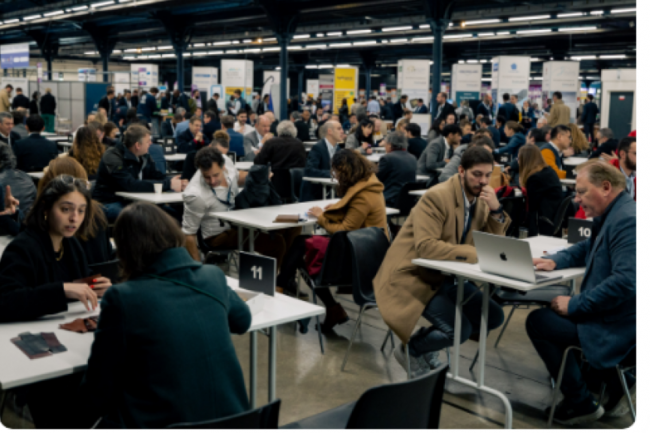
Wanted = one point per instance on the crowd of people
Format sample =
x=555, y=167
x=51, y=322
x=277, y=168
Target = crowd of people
x=166, y=293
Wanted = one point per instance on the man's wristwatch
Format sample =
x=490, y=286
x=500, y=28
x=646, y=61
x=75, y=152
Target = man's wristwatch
x=498, y=211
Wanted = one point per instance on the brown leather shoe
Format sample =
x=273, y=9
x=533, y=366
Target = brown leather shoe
x=334, y=315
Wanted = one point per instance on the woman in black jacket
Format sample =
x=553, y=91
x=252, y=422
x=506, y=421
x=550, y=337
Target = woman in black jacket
x=543, y=191
x=39, y=266
x=34, y=103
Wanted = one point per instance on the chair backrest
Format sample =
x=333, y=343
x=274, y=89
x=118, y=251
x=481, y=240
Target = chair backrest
x=232, y=156
x=169, y=145
x=263, y=417
x=413, y=404
x=433, y=180
x=109, y=269
x=336, y=269
x=158, y=156
x=368, y=247
x=296, y=182
x=566, y=210
x=406, y=201
x=282, y=183
x=515, y=207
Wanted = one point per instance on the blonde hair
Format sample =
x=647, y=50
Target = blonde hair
x=530, y=162
x=401, y=124
x=101, y=118
x=579, y=141
x=599, y=172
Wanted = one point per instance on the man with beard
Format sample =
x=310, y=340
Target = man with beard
x=440, y=227
x=626, y=162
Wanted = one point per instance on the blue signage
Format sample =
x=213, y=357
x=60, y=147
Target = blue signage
x=14, y=56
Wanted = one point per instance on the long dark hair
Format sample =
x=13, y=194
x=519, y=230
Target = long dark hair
x=142, y=232
x=359, y=131
x=350, y=168
x=53, y=191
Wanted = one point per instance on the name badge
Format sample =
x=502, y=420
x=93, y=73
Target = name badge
x=257, y=273
x=579, y=230
x=504, y=158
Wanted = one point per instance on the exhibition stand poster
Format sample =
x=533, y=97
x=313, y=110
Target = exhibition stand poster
x=345, y=86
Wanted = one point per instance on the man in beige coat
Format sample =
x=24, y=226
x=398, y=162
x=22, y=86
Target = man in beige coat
x=440, y=227
x=560, y=113
x=5, y=94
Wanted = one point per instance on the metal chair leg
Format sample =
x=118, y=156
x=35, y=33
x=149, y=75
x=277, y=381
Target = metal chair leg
x=505, y=325
x=354, y=334
x=388, y=334
x=471, y=367
x=556, y=391
x=320, y=334
x=621, y=377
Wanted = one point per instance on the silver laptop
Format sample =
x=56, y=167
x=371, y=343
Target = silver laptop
x=507, y=257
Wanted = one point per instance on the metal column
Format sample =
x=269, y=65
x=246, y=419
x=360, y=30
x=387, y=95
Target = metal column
x=438, y=29
x=283, y=40
x=180, y=67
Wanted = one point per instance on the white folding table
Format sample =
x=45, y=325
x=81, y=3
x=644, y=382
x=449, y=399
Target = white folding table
x=328, y=184
x=244, y=165
x=569, y=182
x=152, y=197
x=17, y=370
x=175, y=157
x=36, y=174
x=418, y=192
x=574, y=161
x=540, y=245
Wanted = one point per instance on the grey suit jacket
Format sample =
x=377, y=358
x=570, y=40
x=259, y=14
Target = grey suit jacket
x=251, y=142
x=454, y=162
x=433, y=157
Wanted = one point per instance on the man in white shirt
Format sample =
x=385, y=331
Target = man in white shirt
x=240, y=125
x=373, y=106
x=254, y=141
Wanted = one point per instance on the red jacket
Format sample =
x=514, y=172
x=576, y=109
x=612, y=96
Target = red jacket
x=616, y=163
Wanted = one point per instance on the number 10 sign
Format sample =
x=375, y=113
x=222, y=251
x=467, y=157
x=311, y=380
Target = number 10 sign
x=257, y=273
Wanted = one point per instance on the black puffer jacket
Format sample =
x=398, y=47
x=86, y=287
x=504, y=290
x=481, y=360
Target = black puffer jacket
x=258, y=190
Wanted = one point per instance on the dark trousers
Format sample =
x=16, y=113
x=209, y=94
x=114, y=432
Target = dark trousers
x=441, y=312
x=589, y=131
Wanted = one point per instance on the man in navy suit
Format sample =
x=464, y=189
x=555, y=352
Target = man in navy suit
x=421, y=108
x=397, y=167
x=319, y=161
x=589, y=113
x=35, y=152
x=601, y=319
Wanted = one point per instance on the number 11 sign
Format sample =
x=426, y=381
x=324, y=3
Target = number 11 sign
x=257, y=273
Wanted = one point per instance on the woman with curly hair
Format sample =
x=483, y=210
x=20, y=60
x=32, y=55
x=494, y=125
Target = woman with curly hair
x=362, y=205
x=88, y=150
x=94, y=241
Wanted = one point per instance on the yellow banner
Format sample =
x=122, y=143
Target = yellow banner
x=345, y=84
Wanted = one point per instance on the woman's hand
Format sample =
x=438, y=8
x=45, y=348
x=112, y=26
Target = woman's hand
x=10, y=203
x=100, y=285
x=81, y=293
x=315, y=211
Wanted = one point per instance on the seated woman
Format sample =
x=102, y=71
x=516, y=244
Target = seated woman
x=362, y=205
x=543, y=190
x=88, y=150
x=515, y=133
x=163, y=353
x=436, y=130
x=110, y=132
x=39, y=266
x=362, y=139
x=94, y=241
x=579, y=143
x=10, y=215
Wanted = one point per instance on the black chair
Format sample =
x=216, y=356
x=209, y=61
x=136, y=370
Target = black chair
x=406, y=201
x=296, y=182
x=263, y=417
x=336, y=271
x=567, y=209
x=433, y=180
x=413, y=404
x=108, y=269
x=283, y=184
x=209, y=251
x=368, y=248
x=232, y=156
x=515, y=207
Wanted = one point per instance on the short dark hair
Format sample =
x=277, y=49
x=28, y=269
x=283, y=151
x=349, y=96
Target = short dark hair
x=109, y=127
x=590, y=97
x=19, y=117
x=142, y=232
x=211, y=114
x=207, y=156
x=221, y=138
x=506, y=96
x=178, y=117
x=485, y=121
x=35, y=123
x=625, y=143
x=481, y=140
x=195, y=119
x=515, y=126
x=9, y=86
x=110, y=92
x=558, y=129
x=18, y=89
x=134, y=134
x=228, y=121
x=242, y=110
x=153, y=90
x=414, y=129
x=451, y=129
x=538, y=134
x=444, y=95
x=476, y=155
x=501, y=119
x=558, y=95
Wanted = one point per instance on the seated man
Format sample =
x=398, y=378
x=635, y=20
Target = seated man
x=396, y=168
x=440, y=228
x=626, y=162
x=319, y=161
x=192, y=138
x=221, y=142
x=303, y=125
x=8, y=136
x=184, y=124
x=284, y=151
x=34, y=152
x=169, y=126
x=213, y=188
x=601, y=319
x=211, y=124
x=19, y=123
x=417, y=144
x=128, y=167
x=607, y=144
x=241, y=125
x=253, y=141
x=236, y=139
x=479, y=139
x=439, y=151
x=555, y=150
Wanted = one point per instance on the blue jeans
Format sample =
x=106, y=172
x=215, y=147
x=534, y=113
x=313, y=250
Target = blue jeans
x=441, y=312
x=112, y=210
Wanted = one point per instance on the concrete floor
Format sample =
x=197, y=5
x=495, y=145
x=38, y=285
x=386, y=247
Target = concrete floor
x=309, y=383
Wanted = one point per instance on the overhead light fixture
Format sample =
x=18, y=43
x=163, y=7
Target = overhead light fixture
x=596, y=12
x=342, y=44
x=305, y=36
x=90, y=53
x=531, y=18
x=462, y=62
x=358, y=32
x=52, y=14
x=123, y=1
x=187, y=54
x=271, y=39
x=212, y=53
x=534, y=59
x=479, y=22
x=502, y=33
x=31, y=17
x=294, y=47
x=570, y=15
x=167, y=56
x=235, y=42
x=425, y=26
x=483, y=35
x=622, y=11
x=148, y=49
x=247, y=41
x=320, y=35
x=483, y=61
x=532, y=32
x=102, y=4
x=342, y=66
x=166, y=47
x=232, y=52
x=199, y=45
x=15, y=20
x=131, y=50
x=612, y=56
x=583, y=57
x=325, y=66
x=80, y=8
x=117, y=51
x=271, y=49
x=252, y=50
x=315, y=47
x=364, y=43
x=423, y=39
x=154, y=56
x=397, y=29
x=464, y=35
x=472, y=61
x=222, y=43
x=334, y=33
x=311, y=67
x=398, y=41
x=277, y=68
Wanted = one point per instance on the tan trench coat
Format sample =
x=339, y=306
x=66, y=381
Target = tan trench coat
x=432, y=231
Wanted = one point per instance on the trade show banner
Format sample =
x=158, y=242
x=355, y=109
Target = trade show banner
x=345, y=86
x=312, y=88
x=144, y=76
x=272, y=77
x=237, y=74
x=326, y=88
x=88, y=75
x=510, y=75
x=123, y=79
x=382, y=90
x=413, y=80
x=14, y=56
x=204, y=77
x=466, y=82
x=562, y=77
